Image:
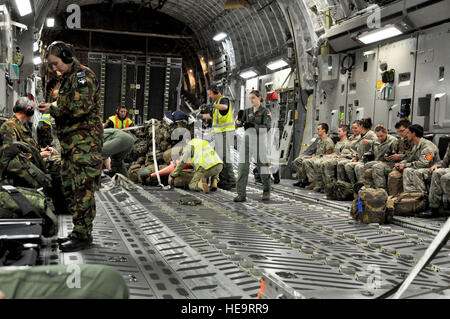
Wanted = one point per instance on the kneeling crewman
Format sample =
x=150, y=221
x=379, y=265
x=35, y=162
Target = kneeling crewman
x=206, y=163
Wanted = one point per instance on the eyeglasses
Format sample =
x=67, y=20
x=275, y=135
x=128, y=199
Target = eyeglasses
x=401, y=130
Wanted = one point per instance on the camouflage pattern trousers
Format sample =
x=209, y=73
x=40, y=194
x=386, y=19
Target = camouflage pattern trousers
x=80, y=175
x=416, y=179
x=381, y=171
x=323, y=170
x=439, y=184
x=201, y=173
x=300, y=168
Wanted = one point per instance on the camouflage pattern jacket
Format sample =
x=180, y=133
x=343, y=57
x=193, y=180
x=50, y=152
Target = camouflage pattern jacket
x=350, y=148
x=423, y=155
x=14, y=131
x=403, y=148
x=77, y=112
x=362, y=148
x=325, y=147
x=380, y=149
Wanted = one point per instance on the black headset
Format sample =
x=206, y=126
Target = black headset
x=28, y=110
x=64, y=51
x=214, y=89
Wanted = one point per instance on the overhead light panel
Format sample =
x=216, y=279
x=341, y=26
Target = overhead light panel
x=50, y=22
x=235, y=4
x=24, y=7
x=380, y=34
x=275, y=65
x=37, y=60
x=211, y=63
x=220, y=36
x=248, y=74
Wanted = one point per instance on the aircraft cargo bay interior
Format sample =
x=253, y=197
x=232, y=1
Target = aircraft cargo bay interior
x=224, y=149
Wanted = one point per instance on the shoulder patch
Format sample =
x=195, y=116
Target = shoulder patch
x=330, y=152
x=81, y=78
x=429, y=157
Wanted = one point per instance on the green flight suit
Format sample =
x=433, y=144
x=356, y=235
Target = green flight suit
x=254, y=145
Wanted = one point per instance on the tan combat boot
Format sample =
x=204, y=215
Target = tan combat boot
x=203, y=186
x=214, y=185
x=310, y=186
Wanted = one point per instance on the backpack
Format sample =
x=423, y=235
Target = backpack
x=395, y=183
x=17, y=203
x=407, y=204
x=339, y=190
x=369, y=206
x=22, y=165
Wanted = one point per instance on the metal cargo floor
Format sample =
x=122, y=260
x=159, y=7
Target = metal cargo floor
x=299, y=241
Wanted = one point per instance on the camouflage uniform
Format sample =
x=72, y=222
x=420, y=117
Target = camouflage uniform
x=336, y=168
x=304, y=164
x=14, y=131
x=380, y=149
x=440, y=181
x=416, y=172
x=382, y=170
x=362, y=149
x=320, y=164
x=80, y=132
x=163, y=141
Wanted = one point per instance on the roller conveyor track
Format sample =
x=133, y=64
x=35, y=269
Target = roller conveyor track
x=221, y=249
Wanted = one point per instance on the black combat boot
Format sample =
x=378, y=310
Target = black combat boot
x=276, y=178
x=75, y=244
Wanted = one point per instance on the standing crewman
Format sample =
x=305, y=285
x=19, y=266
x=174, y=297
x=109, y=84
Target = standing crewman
x=116, y=146
x=80, y=132
x=206, y=163
x=120, y=120
x=256, y=121
x=223, y=130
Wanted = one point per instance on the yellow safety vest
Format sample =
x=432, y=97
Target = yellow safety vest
x=204, y=155
x=119, y=124
x=46, y=118
x=223, y=123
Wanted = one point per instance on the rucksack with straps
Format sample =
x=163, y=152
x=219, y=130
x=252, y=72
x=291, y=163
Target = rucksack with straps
x=339, y=190
x=17, y=203
x=369, y=206
x=22, y=165
x=407, y=203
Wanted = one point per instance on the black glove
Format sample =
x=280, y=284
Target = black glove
x=205, y=109
x=240, y=115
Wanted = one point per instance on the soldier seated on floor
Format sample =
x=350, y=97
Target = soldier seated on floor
x=304, y=164
x=381, y=149
x=423, y=156
x=437, y=180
